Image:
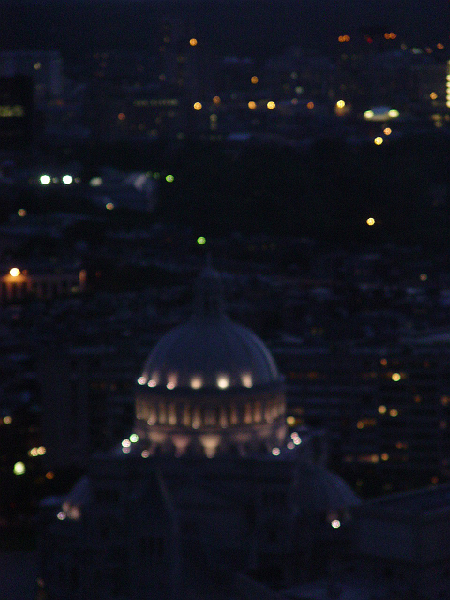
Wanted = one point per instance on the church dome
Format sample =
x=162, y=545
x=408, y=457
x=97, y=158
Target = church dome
x=209, y=350
x=210, y=381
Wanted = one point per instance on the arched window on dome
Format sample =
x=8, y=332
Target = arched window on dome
x=247, y=413
x=223, y=418
x=233, y=415
x=172, y=414
x=196, y=418
x=257, y=414
x=162, y=413
x=268, y=414
x=210, y=417
x=187, y=415
x=142, y=409
x=151, y=414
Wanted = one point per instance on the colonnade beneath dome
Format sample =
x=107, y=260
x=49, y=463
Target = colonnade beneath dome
x=200, y=413
x=211, y=425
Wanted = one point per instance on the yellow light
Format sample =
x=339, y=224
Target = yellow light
x=393, y=113
x=440, y=46
x=385, y=456
x=271, y=105
x=110, y=206
x=254, y=79
x=335, y=524
x=378, y=141
x=197, y=106
x=7, y=420
x=387, y=131
x=382, y=409
x=290, y=421
x=37, y=66
x=121, y=116
x=223, y=382
x=396, y=376
x=14, y=272
x=45, y=179
x=423, y=277
x=393, y=412
x=193, y=42
x=196, y=383
x=19, y=468
x=201, y=241
x=21, y=212
x=340, y=103
x=252, y=105
x=433, y=95
x=360, y=425
x=310, y=105
x=369, y=114
x=41, y=450
x=247, y=380
x=370, y=221
x=216, y=100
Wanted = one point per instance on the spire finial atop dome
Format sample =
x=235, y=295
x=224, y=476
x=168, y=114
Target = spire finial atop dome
x=208, y=298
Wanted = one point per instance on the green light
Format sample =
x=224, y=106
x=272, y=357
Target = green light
x=19, y=468
x=156, y=175
x=170, y=178
x=201, y=240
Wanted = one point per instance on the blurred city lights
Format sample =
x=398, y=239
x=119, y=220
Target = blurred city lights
x=340, y=103
x=14, y=272
x=19, y=468
x=193, y=42
x=271, y=105
x=378, y=141
x=170, y=178
x=197, y=106
x=254, y=79
x=252, y=105
x=201, y=241
x=370, y=221
x=45, y=179
x=67, y=179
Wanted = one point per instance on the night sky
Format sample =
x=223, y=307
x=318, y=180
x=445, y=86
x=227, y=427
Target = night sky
x=235, y=26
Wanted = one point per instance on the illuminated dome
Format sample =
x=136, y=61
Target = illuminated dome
x=210, y=384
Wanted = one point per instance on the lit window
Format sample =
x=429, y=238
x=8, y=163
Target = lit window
x=247, y=380
x=196, y=383
x=223, y=382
